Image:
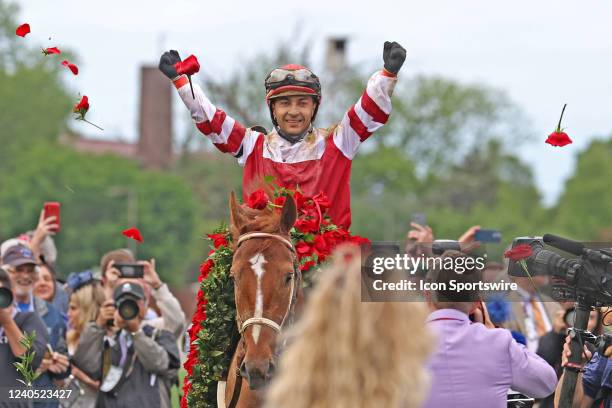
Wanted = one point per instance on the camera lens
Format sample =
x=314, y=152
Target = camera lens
x=128, y=308
x=6, y=298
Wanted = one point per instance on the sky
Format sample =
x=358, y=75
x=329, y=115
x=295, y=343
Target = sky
x=542, y=54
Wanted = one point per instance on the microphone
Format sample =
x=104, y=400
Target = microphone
x=564, y=244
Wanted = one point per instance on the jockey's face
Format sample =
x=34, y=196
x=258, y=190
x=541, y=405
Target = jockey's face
x=294, y=113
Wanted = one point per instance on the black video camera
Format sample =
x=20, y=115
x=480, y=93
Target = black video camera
x=587, y=275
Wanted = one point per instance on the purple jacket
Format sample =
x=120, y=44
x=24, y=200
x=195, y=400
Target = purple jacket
x=474, y=366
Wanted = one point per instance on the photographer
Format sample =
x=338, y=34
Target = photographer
x=19, y=261
x=13, y=325
x=551, y=344
x=476, y=364
x=132, y=364
x=172, y=316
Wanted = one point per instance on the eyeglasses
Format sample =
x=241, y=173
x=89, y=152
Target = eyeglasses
x=77, y=280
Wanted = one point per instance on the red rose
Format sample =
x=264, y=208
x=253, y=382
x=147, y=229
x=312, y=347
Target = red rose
x=82, y=107
x=134, y=234
x=280, y=200
x=218, y=240
x=356, y=239
x=52, y=50
x=188, y=66
x=305, y=226
x=559, y=138
x=321, y=245
x=322, y=200
x=519, y=252
x=205, y=268
x=307, y=265
x=258, y=200
x=22, y=30
x=299, y=199
x=71, y=66
x=303, y=249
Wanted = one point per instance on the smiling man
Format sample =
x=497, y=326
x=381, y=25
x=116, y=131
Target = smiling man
x=296, y=153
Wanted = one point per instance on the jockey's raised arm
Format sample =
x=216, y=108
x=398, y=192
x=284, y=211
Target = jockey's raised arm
x=367, y=115
x=225, y=132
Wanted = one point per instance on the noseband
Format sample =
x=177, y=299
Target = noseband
x=295, y=281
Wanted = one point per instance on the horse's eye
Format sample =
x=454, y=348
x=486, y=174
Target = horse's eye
x=288, y=278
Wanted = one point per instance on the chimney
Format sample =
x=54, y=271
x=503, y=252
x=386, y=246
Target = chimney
x=335, y=57
x=155, y=142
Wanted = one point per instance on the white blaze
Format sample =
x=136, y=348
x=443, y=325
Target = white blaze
x=257, y=263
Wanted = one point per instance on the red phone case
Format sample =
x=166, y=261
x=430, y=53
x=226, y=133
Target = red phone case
x=53, y=209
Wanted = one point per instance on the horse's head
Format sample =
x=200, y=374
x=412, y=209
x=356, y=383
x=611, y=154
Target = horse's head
x=267, y=283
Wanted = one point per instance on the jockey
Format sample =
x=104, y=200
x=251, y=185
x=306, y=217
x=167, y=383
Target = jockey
x=295, y=152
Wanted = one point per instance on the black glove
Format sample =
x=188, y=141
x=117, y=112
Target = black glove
x=167, y=61
x=393, y=56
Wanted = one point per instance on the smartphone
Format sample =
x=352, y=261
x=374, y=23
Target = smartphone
x=52, y=208
x=419, y=218
x=488, y=235
x=130, y=270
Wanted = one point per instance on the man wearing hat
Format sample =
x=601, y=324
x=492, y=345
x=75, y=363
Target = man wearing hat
x=132, y=364
x=296, y=153
x=21, y=265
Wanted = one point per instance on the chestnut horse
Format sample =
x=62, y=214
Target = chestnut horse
x=268, y=293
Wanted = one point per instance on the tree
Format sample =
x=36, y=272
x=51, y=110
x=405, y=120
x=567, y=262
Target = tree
x=584, y=210
x=91, y=190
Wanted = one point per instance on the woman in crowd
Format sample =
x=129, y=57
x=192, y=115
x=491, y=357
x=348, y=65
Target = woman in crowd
x=345, y=354
x=85, y=302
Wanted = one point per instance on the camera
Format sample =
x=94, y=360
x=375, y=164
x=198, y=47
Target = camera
x=587, y=276
x=129, y=270
x=6, y=298
x=126, y=297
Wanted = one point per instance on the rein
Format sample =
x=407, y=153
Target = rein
x=289, y=313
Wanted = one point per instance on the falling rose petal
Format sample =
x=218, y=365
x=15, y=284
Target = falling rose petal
x=51, y=50
x=71, y=66
x=134, y=234
x=22, y=30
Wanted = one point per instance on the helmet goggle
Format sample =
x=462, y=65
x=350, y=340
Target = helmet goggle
x=299, y=77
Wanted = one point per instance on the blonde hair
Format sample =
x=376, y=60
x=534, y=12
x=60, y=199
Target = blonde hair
x=89, y=299
x=346, y=354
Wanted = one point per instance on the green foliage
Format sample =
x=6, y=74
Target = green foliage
x=584, y=211
x=218, y=336
x=24, y=365
x=93, y=191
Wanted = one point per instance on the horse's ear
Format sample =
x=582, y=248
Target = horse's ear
x=235, y=212
x=288, y=215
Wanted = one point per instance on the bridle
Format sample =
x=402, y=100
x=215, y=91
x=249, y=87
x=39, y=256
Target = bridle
x=242, y=326
x=289, y=313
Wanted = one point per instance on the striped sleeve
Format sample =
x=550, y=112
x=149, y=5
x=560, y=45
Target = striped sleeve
x=226, y=133
x=369, y=113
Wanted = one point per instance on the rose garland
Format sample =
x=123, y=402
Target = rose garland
x=213, y=334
